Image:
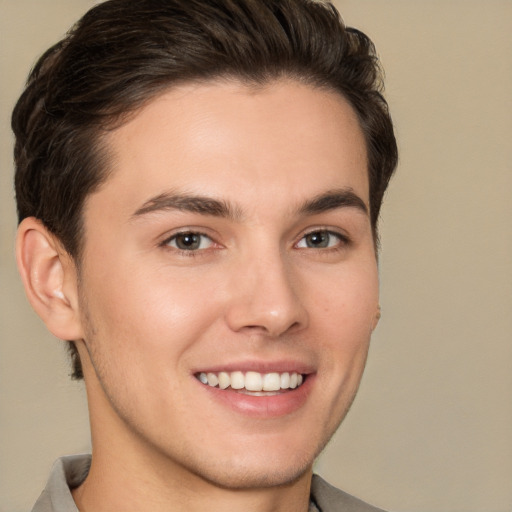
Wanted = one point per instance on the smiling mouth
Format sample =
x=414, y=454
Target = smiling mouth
x=252, y=383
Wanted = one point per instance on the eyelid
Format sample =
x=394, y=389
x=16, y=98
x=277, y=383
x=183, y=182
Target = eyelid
x=343, y=238
x=174, y=238
x=165, y=242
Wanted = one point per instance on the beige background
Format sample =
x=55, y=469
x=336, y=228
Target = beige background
x=431, y=429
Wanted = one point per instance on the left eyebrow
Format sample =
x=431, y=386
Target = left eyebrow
x=331, y=200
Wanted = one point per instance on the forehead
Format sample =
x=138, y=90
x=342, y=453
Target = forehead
x=231, y=139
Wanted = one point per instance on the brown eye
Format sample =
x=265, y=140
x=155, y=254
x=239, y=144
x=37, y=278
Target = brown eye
x=189, y=241
x=321, y=239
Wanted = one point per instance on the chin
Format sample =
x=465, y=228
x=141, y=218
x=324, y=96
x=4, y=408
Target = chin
x=243, y=477
x=257, y=469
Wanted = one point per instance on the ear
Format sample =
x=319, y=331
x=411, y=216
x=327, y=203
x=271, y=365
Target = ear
x=376, y=318
x=49, y=276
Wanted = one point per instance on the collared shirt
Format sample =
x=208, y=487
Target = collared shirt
x=69, y=472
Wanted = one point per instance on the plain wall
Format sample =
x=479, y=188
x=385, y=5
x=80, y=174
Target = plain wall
x=431, y=429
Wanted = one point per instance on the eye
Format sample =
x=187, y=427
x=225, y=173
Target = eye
x=189, y=241
x=320, y=239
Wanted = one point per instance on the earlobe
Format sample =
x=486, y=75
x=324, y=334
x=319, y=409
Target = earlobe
x=376, y=318
x=49, y=277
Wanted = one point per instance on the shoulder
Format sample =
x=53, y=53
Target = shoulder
x=330, y=499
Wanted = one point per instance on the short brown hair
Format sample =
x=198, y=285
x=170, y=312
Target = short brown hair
x=123, y=53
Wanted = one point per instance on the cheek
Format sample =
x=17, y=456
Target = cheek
x=349, y=298
x=147, y=316
x=346, y=309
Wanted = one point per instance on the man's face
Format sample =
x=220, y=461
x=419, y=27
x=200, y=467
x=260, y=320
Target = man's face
x=230, y=243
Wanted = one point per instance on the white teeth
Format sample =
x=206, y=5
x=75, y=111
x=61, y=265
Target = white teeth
x=237, y=380
x=271, y=382
x=224, y=380
x=212, y=379
x=254, y=382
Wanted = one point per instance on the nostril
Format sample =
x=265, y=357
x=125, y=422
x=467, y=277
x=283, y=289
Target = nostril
x=265, y=303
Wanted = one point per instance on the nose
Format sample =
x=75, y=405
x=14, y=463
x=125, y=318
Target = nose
x=266, y=298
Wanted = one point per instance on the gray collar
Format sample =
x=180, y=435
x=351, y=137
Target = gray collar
x=69, y=472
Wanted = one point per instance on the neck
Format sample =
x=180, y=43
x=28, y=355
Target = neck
x=128, y=473
x=130, y=483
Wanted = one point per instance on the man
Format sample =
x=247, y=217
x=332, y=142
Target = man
x=198, y=187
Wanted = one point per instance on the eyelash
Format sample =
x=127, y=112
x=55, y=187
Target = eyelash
x=166, y=244
x=343, y=242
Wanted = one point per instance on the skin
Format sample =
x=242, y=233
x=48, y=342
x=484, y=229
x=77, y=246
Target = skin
x=256, y=293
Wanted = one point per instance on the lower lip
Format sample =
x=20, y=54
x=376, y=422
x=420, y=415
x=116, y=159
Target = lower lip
x=270, y=406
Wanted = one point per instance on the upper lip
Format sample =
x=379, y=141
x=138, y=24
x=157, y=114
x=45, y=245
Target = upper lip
x=281, y=366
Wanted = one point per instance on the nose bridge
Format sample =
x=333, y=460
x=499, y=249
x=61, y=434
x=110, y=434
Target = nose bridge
x=267, y=296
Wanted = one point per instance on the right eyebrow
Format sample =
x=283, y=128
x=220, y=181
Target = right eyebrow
x=203, y=205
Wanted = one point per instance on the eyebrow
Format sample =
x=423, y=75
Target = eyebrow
x=330, y=200
x=333, y=199
x=190, y=203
